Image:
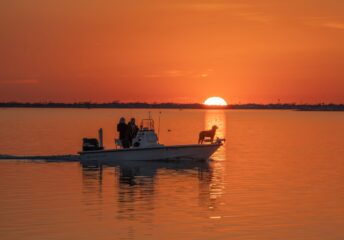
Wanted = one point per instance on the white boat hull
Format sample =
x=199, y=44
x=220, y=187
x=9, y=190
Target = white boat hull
x=177, y=152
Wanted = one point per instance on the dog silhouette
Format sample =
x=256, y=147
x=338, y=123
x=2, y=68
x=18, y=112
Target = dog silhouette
x=209, y=133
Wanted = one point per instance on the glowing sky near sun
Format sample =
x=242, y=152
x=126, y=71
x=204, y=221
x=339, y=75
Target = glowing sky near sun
x=180, y=51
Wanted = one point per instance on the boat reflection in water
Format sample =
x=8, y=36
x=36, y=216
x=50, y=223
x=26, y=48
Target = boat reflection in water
x=133, y=173
x=136, y=183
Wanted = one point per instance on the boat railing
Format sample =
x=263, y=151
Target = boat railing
x=147, y=124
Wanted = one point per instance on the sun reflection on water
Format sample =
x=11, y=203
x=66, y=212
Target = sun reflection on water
x=218, y=118
x=217, y=181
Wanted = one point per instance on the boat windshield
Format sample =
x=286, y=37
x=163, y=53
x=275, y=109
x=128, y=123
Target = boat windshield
x=147, y=124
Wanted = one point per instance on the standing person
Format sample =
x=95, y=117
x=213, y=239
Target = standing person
x=132, y=130
x=122, y=129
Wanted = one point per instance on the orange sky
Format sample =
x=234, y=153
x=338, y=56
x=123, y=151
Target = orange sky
x=180, y=51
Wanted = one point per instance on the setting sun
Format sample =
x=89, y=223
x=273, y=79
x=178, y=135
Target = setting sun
x=215, y=101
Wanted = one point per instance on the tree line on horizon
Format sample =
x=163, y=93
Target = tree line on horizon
x=168, y=105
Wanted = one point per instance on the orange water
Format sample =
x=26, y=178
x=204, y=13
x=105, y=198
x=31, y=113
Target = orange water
x=280, y=175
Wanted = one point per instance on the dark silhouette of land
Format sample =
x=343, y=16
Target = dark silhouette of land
x=116, y=104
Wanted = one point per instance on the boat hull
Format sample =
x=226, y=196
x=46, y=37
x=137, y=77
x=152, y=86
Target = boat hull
x=178, y=152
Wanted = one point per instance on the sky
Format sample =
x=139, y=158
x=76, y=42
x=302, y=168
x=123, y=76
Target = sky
x=261, y=51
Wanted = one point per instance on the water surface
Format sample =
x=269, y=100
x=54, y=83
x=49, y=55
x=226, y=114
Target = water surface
x=280, y=175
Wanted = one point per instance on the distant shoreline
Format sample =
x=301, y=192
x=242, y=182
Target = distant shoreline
x=119, y=105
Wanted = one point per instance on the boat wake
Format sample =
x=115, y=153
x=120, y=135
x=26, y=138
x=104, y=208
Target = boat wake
x=63, y=158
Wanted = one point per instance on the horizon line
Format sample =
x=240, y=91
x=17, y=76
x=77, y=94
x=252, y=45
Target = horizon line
x=171, y=103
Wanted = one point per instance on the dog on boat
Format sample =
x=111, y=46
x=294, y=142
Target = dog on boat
x=209, y=133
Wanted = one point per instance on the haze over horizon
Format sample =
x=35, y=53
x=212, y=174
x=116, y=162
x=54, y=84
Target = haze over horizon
x=172, y=51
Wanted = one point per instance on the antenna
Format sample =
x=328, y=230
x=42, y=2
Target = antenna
x=159, y=126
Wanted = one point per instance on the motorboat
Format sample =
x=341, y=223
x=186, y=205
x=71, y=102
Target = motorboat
x=145, y=147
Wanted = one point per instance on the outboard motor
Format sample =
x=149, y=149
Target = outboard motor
x=91, y=144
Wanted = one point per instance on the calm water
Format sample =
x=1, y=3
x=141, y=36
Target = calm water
x=280, y=175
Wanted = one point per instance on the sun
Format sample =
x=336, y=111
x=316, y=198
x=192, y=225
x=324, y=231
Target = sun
x=215, y=101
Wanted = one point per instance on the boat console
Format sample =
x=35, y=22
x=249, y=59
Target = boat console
x=146, y=136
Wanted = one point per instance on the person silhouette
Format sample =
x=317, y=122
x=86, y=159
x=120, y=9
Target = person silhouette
x=132, y=130
x=122, y=129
